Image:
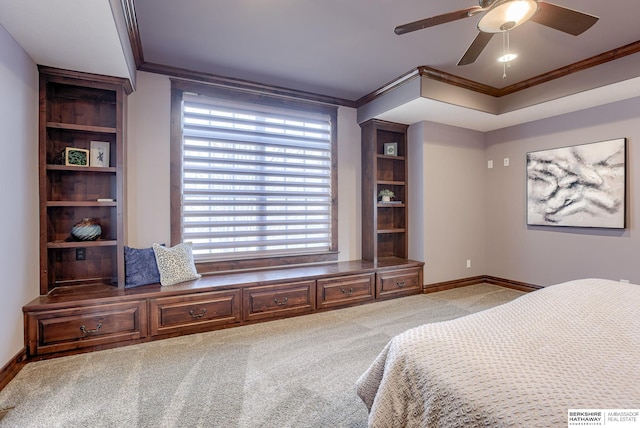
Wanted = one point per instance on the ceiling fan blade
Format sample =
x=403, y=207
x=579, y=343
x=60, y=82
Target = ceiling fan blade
x=437, y=20
x=563, y=19
x=476, y=48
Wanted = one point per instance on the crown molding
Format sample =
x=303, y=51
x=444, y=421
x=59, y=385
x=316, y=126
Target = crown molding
x=585, y=64
x=132, y=29
x=451, y=79
x=244, y=85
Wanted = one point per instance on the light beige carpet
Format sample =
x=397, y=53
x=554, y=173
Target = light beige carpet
x=296, y=372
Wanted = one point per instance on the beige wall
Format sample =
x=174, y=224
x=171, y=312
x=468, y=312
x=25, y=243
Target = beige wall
x=19, y=256
x=548, y=255
x=462, y=210
x=148, y=118
x=447, y=197
x=148, y=169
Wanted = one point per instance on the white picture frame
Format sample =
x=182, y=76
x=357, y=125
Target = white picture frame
x=100, y=153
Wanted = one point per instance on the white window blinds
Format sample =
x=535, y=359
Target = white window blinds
x=256, y=180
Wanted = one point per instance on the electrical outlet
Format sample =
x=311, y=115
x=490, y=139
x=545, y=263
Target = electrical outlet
x=81, y=254
x=506, y=161
x=468, y=264
x=490, y=164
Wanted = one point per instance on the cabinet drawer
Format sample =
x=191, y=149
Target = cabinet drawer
x=399, y=282
x=279, y=300
x=345, y=290
x=200, y=311
x=85, y=327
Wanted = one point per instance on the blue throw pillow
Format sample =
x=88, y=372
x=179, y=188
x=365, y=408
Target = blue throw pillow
x=140, y=267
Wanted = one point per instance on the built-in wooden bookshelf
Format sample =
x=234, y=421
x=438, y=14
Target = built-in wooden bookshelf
x=76, y=109
x=384, y=166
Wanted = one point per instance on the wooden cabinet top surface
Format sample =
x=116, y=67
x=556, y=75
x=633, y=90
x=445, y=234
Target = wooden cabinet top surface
x=97, y=294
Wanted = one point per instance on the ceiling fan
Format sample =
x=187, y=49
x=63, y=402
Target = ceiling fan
x=500, y=16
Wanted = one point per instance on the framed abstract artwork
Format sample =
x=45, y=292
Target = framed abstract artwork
x=578, y=186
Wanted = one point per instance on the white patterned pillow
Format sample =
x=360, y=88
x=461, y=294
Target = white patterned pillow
x=175, y=264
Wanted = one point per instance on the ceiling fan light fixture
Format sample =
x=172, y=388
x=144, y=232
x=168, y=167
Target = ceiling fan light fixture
x=505, y=15
x=508, y=57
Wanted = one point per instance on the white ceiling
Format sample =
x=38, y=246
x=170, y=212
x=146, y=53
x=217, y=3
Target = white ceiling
x=78, y=35
x=337, y=48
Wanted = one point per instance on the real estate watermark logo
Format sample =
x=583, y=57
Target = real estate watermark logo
x=626, y=418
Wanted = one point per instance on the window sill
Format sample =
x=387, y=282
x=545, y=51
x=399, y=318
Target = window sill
x=209, y=267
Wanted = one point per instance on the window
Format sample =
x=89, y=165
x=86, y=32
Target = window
x=257, y=181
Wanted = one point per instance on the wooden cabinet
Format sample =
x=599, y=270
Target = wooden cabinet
x=278, y=300
x=80, y=327
x=345, y=290
x=78, y=319
x=77, y=109
x=384, y=224
x=177, y=314
x=397, y=283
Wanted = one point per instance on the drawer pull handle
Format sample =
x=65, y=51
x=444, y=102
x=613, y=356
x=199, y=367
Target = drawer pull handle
x=281, y=302
x=200, y=315
x=348, y=292
x=86, y=332
x=400, y=284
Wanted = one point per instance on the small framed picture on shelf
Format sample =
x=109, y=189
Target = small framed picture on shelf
x=76, y=157
x=100, y=153
x=391, y=149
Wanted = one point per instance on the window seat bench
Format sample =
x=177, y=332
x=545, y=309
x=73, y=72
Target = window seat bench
x=93, y=317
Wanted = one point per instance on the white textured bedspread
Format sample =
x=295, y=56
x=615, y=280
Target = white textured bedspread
x=574, y=345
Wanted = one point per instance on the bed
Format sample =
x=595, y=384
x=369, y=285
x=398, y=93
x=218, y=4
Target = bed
x=574, y=345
